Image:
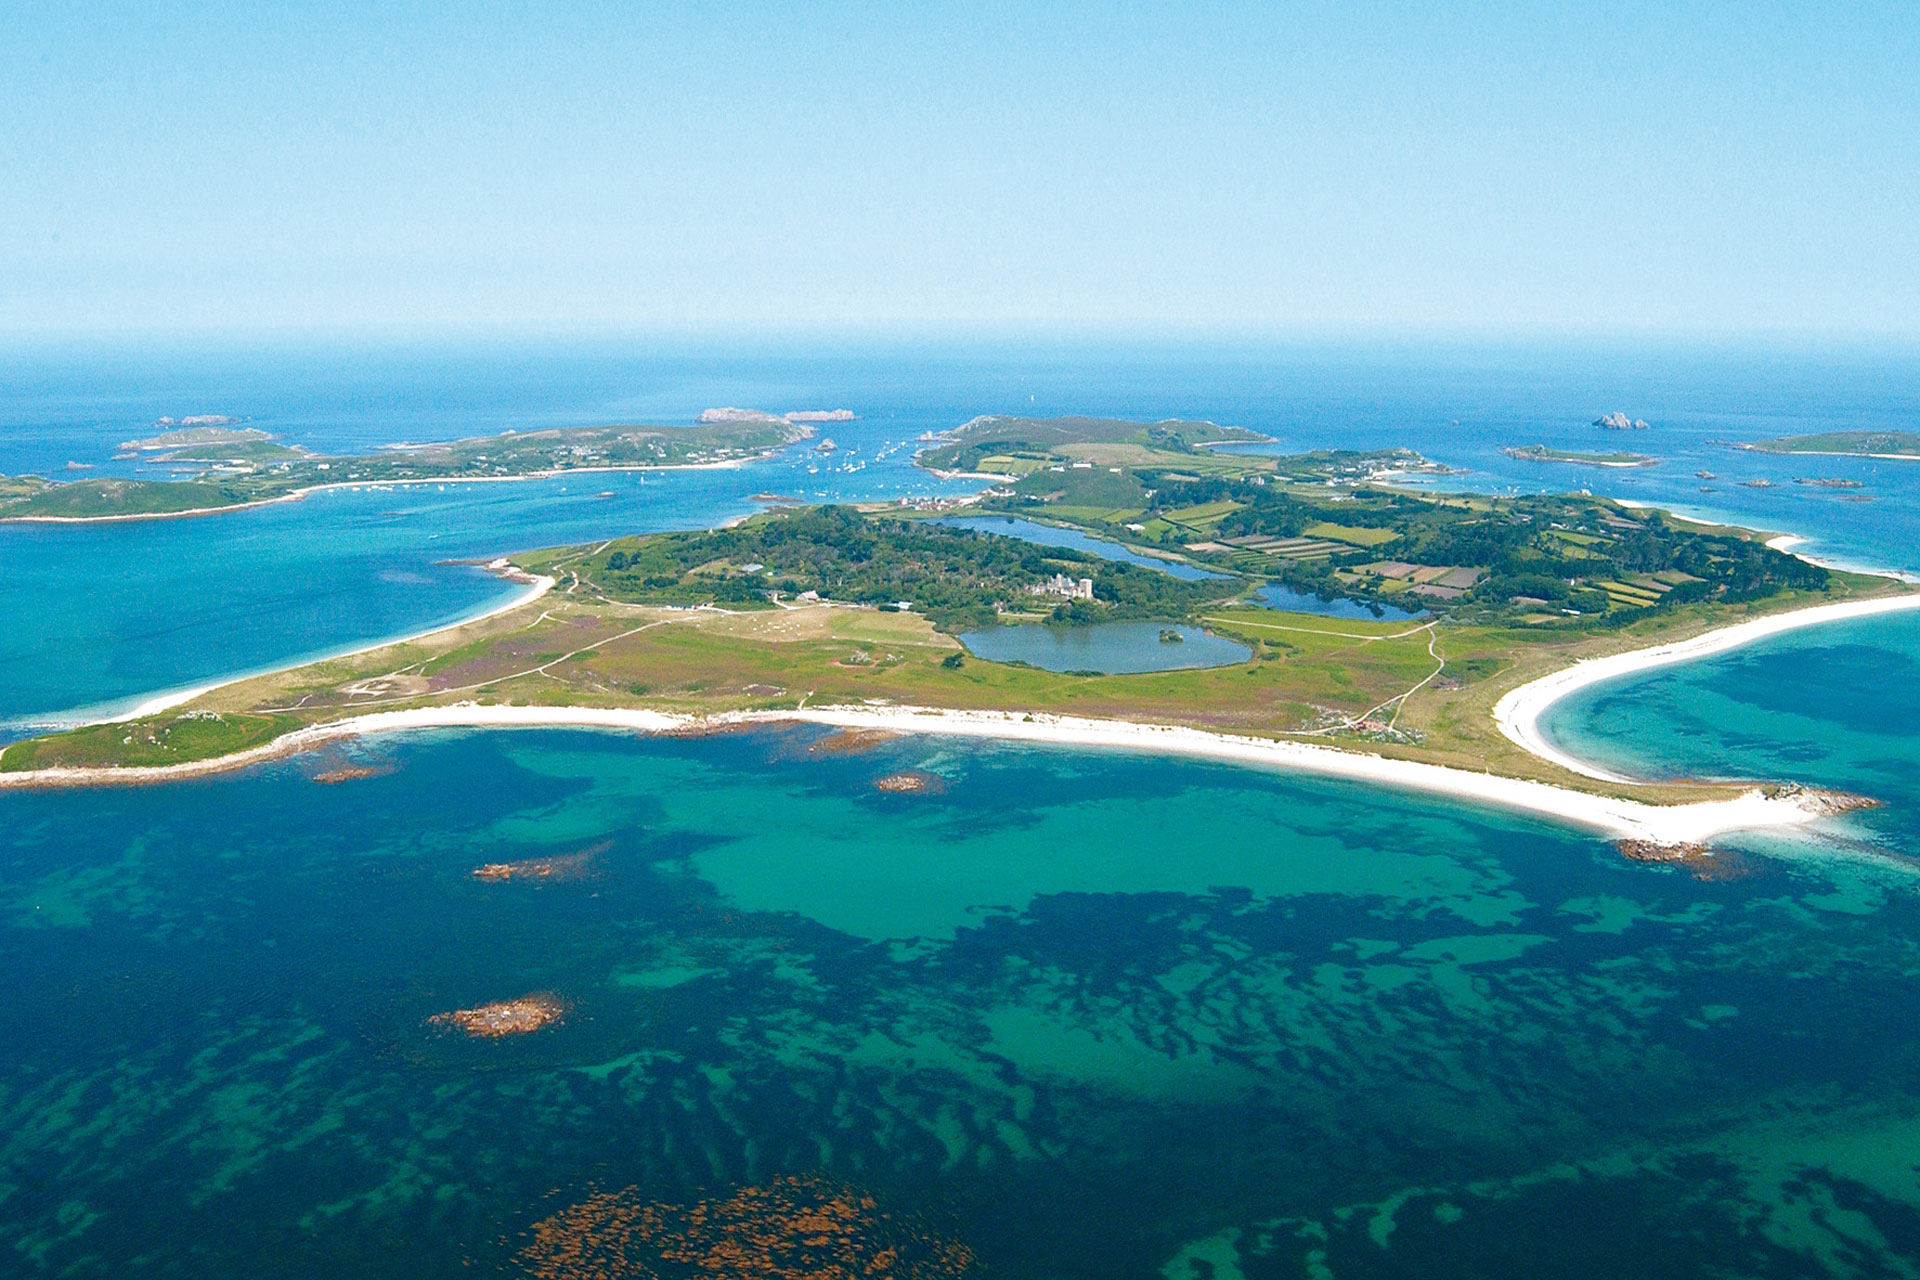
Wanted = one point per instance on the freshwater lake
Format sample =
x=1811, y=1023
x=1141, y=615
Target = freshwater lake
x=1113, y=648
x=1048, y=535
x=1058, y=1013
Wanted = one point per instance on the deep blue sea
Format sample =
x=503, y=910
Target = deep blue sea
x=1061, y=1013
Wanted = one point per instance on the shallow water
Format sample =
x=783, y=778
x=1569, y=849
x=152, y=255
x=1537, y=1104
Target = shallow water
x=1087, y=1015
x=1078, y=1014
x=106, y=613
x=1114, y=648
x=1836, y=705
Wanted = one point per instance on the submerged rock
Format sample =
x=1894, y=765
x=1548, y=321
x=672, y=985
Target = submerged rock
x=1697, y=860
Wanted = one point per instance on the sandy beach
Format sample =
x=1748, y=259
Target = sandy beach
x=536, y=587
x=725, y=464
x=1519, y=712
x=1624, y=819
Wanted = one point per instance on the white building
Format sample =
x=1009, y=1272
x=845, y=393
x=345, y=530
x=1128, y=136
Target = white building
x=1061, y=585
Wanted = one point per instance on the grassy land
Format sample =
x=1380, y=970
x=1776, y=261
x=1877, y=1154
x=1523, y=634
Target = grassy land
x=1883, y=443
x=162, y=740
x=1540, y=453
x=1310, y=678
x=229, y=469
x=723, y=620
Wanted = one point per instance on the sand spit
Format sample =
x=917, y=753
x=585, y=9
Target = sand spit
x=1620, y=819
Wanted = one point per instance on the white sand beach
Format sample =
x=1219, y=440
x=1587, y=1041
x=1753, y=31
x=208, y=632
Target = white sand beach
x=1520, y=711
x=1625, y=819
x=536, y=587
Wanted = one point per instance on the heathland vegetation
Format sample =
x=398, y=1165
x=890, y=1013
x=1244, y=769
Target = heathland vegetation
x=1877, y=444
x=813, y=606
x=1339, y=524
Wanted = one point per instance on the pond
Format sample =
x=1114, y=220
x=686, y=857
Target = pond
x=1275, y=596
x=1052, y=536
x=1114, y=648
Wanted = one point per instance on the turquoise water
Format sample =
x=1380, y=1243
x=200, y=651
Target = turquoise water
x=1835, y=706
x=1115, y=648
x=105, y=614
x=1084, y=1015
x=1088, y=1015
x=1052, y=536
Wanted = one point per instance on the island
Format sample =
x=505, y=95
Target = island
x=994, y=445
x=865, y=616
x=220, y=467
x=1618, y=421
x=1903, y=446
x=1540, y=453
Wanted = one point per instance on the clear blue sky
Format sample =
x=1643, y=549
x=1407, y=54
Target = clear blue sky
x=1668, y=167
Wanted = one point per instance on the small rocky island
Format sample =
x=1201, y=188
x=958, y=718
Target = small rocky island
x=1617, y=421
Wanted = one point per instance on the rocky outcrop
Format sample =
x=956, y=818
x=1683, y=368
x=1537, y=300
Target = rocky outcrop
x=1697, y=860
x=1620, y=422
x=1823, y=803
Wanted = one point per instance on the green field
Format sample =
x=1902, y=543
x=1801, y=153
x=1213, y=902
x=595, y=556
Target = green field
x=1540, y=453
x=1894, y=444
x=1342, y=533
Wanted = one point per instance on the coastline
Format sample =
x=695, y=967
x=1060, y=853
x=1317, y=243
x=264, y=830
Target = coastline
x=1519, y=711
x=1664, y=825
x=536, y=586
x=295, y=495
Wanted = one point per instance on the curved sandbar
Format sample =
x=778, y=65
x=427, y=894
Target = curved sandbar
x=537, y=585
x=1518, y=712
x=1626, y=819
x=296, y=495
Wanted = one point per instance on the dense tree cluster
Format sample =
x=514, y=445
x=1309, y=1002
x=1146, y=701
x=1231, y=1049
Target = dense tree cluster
x=1546, y=548
x=957, y=577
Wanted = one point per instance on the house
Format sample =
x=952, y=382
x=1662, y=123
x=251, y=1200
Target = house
x=1061, y=585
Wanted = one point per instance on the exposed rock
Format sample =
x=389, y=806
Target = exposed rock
x=846, y=742
x=582, y=864
x=352, y=773
x=1697, y=860
x=910, y=782
x=518, y=1017
x=1823, y=803
x=1617, y=421
x=808, y=1226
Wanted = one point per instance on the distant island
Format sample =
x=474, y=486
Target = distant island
x=1540, y=453
x=222, y=468
x=798, y=415
x=199, y=420
x=1011, y=447
x=196, y=431
x=1617, y=421
x=1901, y=446
x=861, y=617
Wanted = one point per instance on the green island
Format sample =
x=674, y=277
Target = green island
x=1541, y=453
x=814, y=606
x=221, y=467
x=997, y=445
x=1873, y=444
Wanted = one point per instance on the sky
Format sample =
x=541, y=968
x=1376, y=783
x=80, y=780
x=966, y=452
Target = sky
x=1667, y=168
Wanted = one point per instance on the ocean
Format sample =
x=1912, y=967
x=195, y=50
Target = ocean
x=1059, y=1013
